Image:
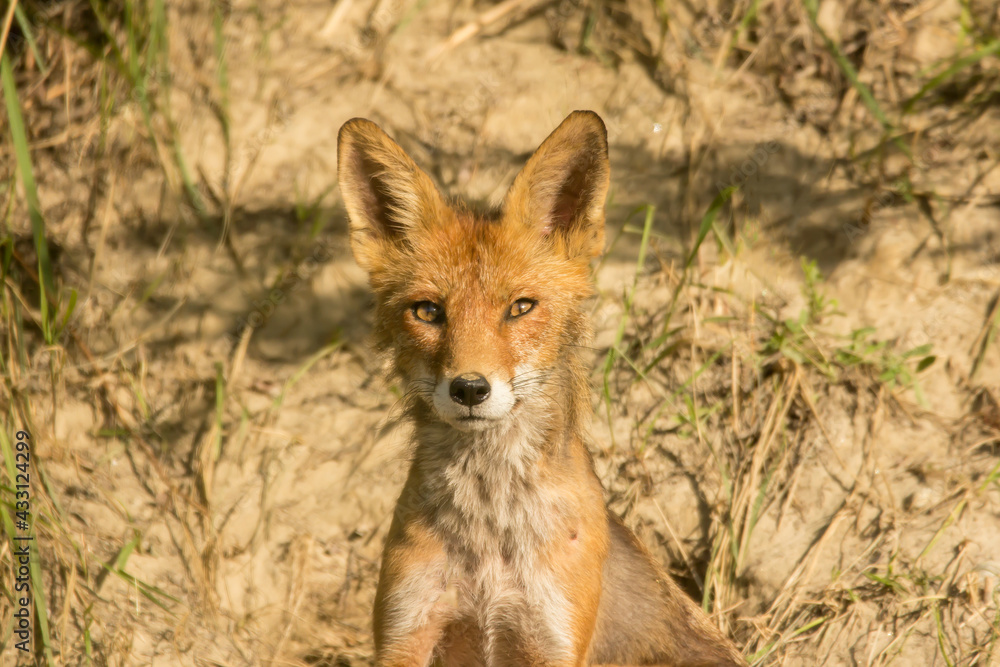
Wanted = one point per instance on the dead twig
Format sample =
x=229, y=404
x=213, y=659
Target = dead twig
x=473, y=28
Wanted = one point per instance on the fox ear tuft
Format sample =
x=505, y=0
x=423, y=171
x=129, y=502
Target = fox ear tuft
x=562, y=188
x=385, y=193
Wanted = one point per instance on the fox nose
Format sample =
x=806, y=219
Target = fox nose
x=469, y=389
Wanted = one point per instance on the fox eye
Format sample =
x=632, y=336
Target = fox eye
x=425, y=311
x=520, y=307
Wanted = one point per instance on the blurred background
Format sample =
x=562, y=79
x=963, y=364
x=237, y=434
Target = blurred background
x=796, y=363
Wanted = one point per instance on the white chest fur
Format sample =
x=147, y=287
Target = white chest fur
x=496, y=514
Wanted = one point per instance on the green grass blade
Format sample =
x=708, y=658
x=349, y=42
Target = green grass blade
x=41, y=609
x=706, y=225
x=310, y=362
x=26, y=171
x=149, y=591
x=942, y=639
x=222, y=72
x=865, y=93
x=24, y=23
x=639, y=265
x=993, y=48
x=708, y=220
x=70, y=307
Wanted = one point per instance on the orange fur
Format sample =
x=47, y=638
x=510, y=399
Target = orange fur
x=501, y=550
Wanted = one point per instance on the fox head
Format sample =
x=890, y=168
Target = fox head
x=482, y=314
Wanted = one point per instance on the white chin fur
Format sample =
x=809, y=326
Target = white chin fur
x=488, y=414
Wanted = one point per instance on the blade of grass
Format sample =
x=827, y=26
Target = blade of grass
x=639, y=266
x=160, y=53
x=986, y=336
x=41, y=608
x=992, y=477
x=609, y=361
x=222, y=75
x=769, y=648
x=149, y=591
x=7, y=19
x=70, y=307
x=864, y=92
x=949, y=520
x=993, y=48
x=707, y=222
x=812, y=10
x=942, y=639
x=26, y=171
x=151, y=39
x=310, y=362
x=220, y=409
x=29, y=36
x=670, y=401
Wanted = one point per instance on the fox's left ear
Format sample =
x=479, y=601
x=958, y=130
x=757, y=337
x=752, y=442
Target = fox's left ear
x=562, y=188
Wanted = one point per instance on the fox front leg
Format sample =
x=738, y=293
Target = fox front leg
x=412, y=609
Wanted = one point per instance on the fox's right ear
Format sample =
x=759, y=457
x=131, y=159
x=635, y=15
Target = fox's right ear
x=385, y=193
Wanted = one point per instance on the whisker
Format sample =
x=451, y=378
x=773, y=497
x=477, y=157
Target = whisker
x=418, y=387
x=534, y=374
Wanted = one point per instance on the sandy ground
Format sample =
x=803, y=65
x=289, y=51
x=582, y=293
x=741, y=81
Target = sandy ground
x=267, y=532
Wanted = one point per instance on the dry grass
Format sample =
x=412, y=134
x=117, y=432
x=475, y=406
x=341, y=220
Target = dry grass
x=786, y=420
x=756, y=398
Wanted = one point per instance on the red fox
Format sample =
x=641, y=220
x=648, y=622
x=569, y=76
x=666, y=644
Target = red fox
x=502, y=551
